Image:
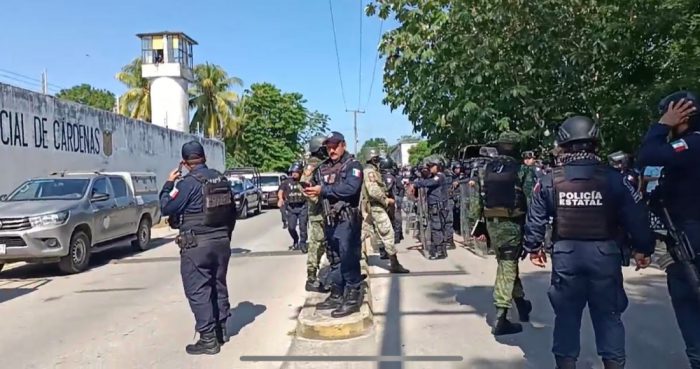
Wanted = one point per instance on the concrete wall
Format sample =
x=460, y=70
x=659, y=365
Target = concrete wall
x=400, y=153
x=40, y=134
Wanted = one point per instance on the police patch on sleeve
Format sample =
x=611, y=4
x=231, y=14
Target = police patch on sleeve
x=679, y=145
x=356, y=173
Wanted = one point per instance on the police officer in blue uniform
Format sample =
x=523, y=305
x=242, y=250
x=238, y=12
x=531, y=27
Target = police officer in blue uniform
x=588, y=200
x=341, y=184
x=293, y=200
x=202, y=207
x=680, y=159
x=435, y=183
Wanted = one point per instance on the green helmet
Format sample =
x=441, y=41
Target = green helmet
x=316, y=144
x=432, y=160
x=371, y=155
x=508, y=137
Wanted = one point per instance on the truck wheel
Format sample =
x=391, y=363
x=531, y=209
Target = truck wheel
x=244, y=211
x=258, y=210
x=78, y=257
x=143, y=235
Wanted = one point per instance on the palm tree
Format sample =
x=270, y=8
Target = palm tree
x=136, y=102
x=215, y=104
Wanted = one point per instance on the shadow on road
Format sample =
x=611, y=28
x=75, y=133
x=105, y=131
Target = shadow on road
x=13, y=289
x=242, y=315
x=652, y=337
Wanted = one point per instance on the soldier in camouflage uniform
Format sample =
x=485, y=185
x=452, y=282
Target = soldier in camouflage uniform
x=375, y=203
x=317, y=238
x=502, y=204
x=532, y=172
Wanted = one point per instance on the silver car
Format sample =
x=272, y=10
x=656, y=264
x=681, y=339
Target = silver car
x=64, y=217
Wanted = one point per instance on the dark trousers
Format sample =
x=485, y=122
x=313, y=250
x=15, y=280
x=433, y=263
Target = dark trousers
x=457, y=218
x=437, y=227
x=344, y=248
x=397, y=222
x=283, y=211
x=203, y=270
x=588, y=273
x=449, y=222
x=685, y=304
x=298, y=214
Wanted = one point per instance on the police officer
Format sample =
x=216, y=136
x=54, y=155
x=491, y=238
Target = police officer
x=376, y=204
x=589, y=201
x=532, y=173
x=317, y=238
x=204, y=241
x=458, y=175
x=448, y=200
x=292, y=198
x=434, y=181
x=678, y=190
x=341, y=183
x=503, y=207
x=396, y=191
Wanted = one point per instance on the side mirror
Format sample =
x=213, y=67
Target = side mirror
x=3, y=197
x=98, y=196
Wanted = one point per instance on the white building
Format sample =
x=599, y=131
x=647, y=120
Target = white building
x=399, y=153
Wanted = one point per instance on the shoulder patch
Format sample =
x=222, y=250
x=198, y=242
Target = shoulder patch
x=679, y=145
x=356, y=173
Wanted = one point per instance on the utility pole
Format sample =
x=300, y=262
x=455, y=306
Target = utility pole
x=354, y=116
x=44, y=82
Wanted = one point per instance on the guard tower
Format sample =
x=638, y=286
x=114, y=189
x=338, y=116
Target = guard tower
x=166, y=59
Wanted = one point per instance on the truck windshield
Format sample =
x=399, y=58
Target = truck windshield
x=237, y=187
x=50, y=189
x=269, y=181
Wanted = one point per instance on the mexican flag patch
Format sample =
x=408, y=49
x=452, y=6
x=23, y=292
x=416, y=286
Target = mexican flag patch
x=356, y=173
x=679, y=145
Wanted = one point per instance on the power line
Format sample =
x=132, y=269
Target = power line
x=33, y=79
x=359, y=92
x=337, y=56
x=374, y=68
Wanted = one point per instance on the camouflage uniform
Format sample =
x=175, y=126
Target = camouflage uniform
x=374, y=205
x=317, y=238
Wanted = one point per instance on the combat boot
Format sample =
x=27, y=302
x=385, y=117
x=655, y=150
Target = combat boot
x=313, y=284
x=395, y=266
x=524, y=309
x=221, y=332
x=565, y=362
x=383, y=254
x=442, y=252
x=351, y=303
x=610, y=364
x=334, y=300
x=207, y=345
x=503, y=326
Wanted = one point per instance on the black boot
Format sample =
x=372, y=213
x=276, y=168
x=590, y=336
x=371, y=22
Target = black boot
x=565, y=362
x=504, y=326
x=442, y=251
x=395, y=266
x=207, y=345
x=303, y=247
x=383, y=254
x=333, y=300
x=351, y=303
x=221, y=333
x=524, y=309
x=610, y=364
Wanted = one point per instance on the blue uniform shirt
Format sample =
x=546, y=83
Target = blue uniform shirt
x=347, y=186
x=435, y=186
x=681, y=161
x=632, y=212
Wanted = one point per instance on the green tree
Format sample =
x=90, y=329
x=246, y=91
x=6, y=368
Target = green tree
x=316, y=124
x=214, y=102
x=419, y=152
x=270, y=132
x=379, y=144
x=463, y=71
x=136, y=101
x=88, y=95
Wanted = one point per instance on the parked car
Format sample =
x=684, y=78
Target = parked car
x=270, y=184
x=64, y=217
x=247, y=196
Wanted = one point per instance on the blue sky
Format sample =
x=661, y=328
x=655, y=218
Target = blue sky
x=285, y=42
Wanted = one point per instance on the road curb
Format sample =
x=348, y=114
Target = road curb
x=319, y=325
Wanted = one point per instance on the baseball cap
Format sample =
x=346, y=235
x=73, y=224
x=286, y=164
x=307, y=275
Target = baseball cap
x=334, y=137
x=192, y=150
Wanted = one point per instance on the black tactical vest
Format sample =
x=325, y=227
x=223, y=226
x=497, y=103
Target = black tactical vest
x=218, y=213
x=583, y=207
x=294, y=194
x=503, y=193
x=335, y=172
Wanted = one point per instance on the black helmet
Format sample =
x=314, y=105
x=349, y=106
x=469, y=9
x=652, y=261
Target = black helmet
x=296, y=167
x=371, y=155
x=578, y=128
x=386, y=163
x=456, y=164
x=316, y=144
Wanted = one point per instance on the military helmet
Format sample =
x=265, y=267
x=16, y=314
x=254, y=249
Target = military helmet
x=316, y=143
x=677, y=96
x=386, y=163
x=371, y=155
x=296, y=167
x=456, y=164
x=578, y=128
x=508, y=137
x=432, y=160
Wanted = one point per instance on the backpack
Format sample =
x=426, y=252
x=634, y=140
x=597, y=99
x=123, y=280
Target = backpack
x=502, y=186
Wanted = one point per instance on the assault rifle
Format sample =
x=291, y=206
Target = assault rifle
x=682, y=251
x=328, y=214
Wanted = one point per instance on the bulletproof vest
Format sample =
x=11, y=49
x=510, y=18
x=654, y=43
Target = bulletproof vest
x=503, y=193
x=294, y=194
x=332, y=173
x=217, y=199
x=390, y=182
x=583, y=206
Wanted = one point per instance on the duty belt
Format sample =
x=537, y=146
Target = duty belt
x=189, y=240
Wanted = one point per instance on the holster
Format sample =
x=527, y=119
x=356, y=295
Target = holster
x=186, y=240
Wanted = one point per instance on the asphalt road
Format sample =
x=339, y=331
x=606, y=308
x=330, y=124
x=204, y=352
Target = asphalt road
x=129, y=311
